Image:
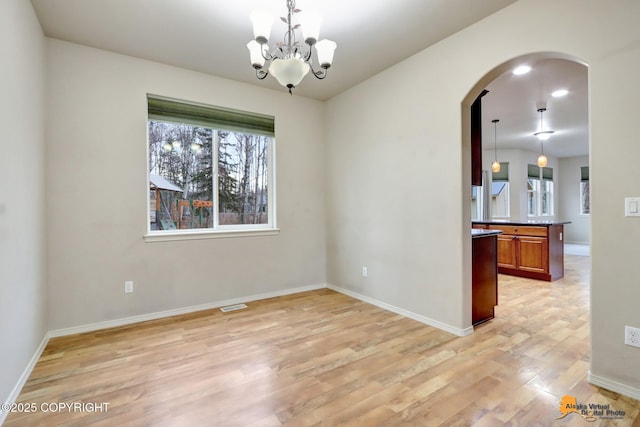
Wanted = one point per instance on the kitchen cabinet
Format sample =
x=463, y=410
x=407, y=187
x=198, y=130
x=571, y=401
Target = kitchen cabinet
x=484, y=274
x=476, y=140
x=533, y=250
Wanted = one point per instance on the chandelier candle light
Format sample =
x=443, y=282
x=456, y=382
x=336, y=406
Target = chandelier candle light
x=290, y=61
x=542, y=135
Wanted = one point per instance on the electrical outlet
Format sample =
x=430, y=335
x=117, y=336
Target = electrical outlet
x=632, y=336
x=128, y=287
x=365, y=272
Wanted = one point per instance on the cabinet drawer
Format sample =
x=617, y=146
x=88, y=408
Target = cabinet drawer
x=521, y=230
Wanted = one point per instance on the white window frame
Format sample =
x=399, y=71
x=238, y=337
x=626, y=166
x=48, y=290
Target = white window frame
x=538, y=193
x=507, y=193
x=548, y=192
x=219, y=231
x=477, y=215
x=533, y=194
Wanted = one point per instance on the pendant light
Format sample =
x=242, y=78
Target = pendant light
x=542, y=135
x=542, y=159
x=495, y=166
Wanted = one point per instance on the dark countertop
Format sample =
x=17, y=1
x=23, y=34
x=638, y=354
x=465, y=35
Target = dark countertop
x=532, y=222
x=476, y=232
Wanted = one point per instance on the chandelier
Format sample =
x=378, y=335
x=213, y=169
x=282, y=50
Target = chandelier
x=290, y=60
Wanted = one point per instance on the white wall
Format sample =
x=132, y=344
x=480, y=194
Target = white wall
x=399, y=177
x=22, y=198
x=569, y=188
x=96, y=182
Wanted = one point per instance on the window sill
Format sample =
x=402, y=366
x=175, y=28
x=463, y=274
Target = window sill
x=169, y=236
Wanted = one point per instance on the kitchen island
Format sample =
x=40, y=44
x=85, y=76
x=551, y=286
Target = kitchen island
x=533, y=249
x=484, y=275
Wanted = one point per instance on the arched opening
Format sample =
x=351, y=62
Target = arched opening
x=516, y=102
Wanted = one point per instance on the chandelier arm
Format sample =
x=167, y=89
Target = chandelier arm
x=307, y=56
x=261, y=74
x=270, y=55
x=320, y=74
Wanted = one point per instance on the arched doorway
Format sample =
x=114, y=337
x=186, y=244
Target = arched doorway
x=515, y=100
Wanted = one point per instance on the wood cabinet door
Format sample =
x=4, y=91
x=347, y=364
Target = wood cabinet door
x=507, y=251
x=533, y=254
x=484, y=274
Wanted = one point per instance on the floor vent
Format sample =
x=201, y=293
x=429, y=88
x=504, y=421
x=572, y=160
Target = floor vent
x=233, y=308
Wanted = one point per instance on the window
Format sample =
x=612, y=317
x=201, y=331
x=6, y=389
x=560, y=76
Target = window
x=210, y=169
x=533, y=191
x=547, y=197
x=585, y=203
x=539, y=191
x=476, y=203
x=500, y=192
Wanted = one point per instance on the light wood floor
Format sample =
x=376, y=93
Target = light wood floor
x=322, y=358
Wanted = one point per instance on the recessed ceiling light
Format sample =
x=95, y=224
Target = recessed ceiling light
x=560, y=92
x=522, y=69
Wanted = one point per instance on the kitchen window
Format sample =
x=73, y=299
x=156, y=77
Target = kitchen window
x=210, y=170
x=500, y=192
x=539, y=191
x=585, y=200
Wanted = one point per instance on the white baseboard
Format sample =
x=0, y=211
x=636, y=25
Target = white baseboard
x=24, y=377
x=177, y=311
x=422, y=319
x=614, y=386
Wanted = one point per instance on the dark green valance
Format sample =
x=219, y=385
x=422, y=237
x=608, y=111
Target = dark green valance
x=584, y=173
x=533, y=172
x=171, y=110
x=503, y=175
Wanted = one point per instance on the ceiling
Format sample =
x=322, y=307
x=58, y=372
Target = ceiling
x=210, y=36
x=514, y=100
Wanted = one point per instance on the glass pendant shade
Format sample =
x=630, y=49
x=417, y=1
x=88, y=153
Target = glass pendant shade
x=310, y=27
x=262, y=23
x=255, y=52
x=325, y=49
x=289, y=72
x=542, y=161
x=495, y=167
